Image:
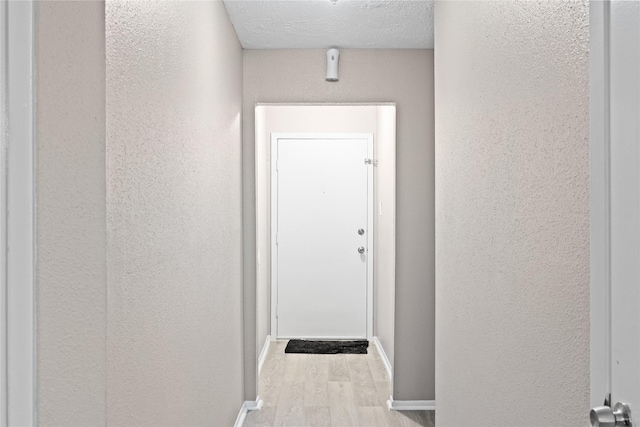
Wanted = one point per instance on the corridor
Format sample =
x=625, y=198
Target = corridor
x=137, y=277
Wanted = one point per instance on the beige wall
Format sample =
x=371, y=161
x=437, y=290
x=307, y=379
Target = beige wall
x=376, y=119
x=174, y=88
x=369, y=75
x=512, y=213
x=70, y=213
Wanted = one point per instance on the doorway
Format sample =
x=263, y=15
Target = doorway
x=377, y=120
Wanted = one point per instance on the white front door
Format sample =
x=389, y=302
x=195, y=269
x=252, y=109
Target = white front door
x=615, y=353
x=321, y=231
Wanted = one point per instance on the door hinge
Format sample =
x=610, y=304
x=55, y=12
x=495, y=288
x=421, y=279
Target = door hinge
x=277, y=166
x=276, y=311
x=276, y=239
x=373, y=162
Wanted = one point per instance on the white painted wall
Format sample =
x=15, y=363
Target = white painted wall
x=384, y=216
x=379, y=120
x=70, y=213
x=512, y=213
x=402, y=76
x=174, y=99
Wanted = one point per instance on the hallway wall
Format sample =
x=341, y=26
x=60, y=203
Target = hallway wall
x=174, y=99
x=71, y=274
x=367, y=75
x=512, y=213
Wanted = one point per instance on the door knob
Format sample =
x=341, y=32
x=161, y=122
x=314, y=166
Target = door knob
x=604, y=416
x=361, y=250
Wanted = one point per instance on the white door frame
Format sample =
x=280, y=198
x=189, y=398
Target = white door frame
x=600, y=211
x=18, y=214
x=274, y=218
x=599, y=150
x=600, y=27
x=3, y=213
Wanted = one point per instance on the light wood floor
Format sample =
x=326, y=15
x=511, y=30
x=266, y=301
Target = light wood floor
x=328, y=390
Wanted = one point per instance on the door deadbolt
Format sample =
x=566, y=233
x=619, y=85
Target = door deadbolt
x=361, y=231
x=361, y=250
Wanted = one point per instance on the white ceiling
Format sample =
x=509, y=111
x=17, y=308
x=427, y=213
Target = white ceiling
x=286, y=24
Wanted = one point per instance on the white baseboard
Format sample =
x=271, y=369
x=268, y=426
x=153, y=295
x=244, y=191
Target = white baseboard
x=383, y=356
x=263, y=353
x=411, y=405
x=247, y=405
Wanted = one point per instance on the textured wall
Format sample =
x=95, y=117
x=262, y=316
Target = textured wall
x=512, y=213
x=367, y=75
x=70, y=213
x=174, y=97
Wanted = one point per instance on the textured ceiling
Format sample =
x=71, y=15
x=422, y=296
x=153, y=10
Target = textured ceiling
x=278, y=24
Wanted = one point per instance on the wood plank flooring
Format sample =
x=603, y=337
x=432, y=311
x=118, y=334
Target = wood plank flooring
x=305, y=390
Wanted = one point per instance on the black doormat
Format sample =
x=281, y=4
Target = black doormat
x=327, y=347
